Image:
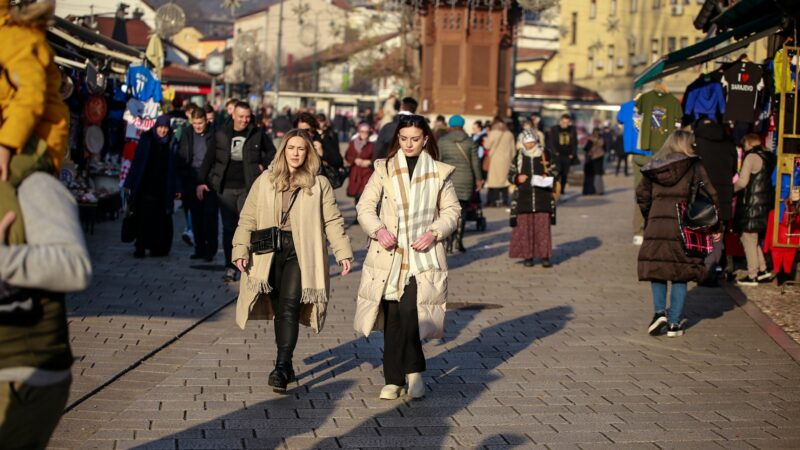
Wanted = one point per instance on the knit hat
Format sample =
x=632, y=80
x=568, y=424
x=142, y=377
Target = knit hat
x=163, y=120
x=456, y=121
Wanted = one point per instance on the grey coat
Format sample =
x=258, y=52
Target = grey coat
x=468, y=169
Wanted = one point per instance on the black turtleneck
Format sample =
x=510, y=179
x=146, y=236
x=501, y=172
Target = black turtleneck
x=412, y=163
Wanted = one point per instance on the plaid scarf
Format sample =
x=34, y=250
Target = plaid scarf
x=421, y=191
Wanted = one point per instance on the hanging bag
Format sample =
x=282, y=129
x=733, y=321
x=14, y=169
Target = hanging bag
x=268, y=240
x=696, y=217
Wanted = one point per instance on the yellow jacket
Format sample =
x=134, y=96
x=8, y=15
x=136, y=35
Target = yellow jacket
x=30, y=99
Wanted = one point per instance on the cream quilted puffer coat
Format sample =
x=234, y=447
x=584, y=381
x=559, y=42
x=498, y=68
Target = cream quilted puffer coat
x=377, y=209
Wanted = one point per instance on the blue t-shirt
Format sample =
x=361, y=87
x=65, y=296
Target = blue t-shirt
x=630, y=135
x=143, y=85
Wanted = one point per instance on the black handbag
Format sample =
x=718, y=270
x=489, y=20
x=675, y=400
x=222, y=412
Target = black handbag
x=700, y=211
x=268, y=240
x=335, y=175
x=128, y=233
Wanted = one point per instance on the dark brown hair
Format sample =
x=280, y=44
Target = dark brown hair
x=415, y=121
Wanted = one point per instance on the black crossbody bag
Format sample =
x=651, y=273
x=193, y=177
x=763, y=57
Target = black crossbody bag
x=268, y=240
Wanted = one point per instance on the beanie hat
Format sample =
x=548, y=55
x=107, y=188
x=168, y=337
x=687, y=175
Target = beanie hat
x=456, y=121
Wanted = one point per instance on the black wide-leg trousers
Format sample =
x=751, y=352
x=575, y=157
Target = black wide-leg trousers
x=402, y=346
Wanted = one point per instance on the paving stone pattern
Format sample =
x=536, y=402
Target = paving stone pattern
x=565, y=363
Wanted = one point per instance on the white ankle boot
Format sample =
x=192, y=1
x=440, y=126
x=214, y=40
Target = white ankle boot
x=416, y=386
x=391, y=392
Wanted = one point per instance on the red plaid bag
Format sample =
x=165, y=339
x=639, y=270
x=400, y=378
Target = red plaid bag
x=696, y=242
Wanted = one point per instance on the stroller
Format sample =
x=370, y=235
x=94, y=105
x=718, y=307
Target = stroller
x=473, y=212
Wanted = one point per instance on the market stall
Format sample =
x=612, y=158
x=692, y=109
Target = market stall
x=742, y=96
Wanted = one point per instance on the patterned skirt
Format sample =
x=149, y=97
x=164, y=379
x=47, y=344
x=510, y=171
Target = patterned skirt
x=531, y=237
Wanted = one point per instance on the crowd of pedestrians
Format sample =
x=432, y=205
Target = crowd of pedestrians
x=269, y=179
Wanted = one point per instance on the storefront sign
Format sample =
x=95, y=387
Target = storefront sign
x=188, y=89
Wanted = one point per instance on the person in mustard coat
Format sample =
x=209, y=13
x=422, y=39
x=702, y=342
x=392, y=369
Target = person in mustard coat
x=408, y=209
x=33, y=119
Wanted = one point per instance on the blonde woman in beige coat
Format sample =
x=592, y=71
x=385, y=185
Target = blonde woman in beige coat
x=291, y=285
x=408, y=208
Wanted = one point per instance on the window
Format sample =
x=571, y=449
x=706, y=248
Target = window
x=654, y=50
x=656, y=4
x=670, y=44
x=593, y=9
x=590, y=66
x=634, y=6
x=574, y=37
x=684, y=42
x=610, y=59
x=613, y=7
x=673, y=2
x=571, y=73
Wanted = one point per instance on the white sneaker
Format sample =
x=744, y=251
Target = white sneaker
x=391, y=392
x=638, y=240
x=416, y=385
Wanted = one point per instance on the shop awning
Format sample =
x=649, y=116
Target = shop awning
x=702, y=51
x=76, y=44
x=741, y=12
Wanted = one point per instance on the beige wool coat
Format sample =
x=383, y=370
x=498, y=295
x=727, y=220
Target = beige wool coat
x=502, y=149
x=377, y=209
x=315, y=219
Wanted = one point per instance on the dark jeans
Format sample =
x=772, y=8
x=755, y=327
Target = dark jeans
x=564, y=165
x=622, y=159
x=231, y=202
x=287, y=291
x=205, y=222
x=402, y=347
x=496, y=195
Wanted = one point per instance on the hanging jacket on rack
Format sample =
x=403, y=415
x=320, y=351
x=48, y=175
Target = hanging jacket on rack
x=704, y=97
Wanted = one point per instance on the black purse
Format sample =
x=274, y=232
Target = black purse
x=268, y=240
x=336, y=176
x=700, y=213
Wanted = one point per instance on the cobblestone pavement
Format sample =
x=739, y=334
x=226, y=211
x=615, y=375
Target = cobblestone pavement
x=537, y=358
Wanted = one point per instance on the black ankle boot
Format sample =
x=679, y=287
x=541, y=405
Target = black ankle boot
x=281, y=376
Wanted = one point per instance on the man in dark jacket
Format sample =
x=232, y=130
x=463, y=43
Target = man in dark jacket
x=240, y=152
x=331, y=153
x=457, y=149
x=192, y=149
x=563, y=141
x=407, y=106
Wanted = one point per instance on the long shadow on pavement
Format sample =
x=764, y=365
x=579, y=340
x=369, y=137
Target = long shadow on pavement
x=573, y=249
x=351, y=355
x=467, y=373
x=706, y=303
x=459, y=385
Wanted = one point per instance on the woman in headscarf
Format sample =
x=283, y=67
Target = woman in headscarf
x=153, y=188
x=534, y=201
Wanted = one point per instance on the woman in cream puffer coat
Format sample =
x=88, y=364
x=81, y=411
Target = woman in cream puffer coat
x=419, y=313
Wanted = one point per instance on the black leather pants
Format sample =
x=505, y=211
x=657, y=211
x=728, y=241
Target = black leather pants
x=287, y=291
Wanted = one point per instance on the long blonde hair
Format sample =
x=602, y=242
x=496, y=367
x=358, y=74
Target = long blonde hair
x=678, y=142
x=306, y=175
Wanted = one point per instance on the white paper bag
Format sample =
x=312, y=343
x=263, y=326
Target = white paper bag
x=542, y=181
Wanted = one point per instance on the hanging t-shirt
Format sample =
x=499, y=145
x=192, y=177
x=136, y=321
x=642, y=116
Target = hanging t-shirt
x=661, y=115
x=140, y=117
x=627, y=116
x=743, y=82
x=143, y=85
x=784, y=68
x=705, y=97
